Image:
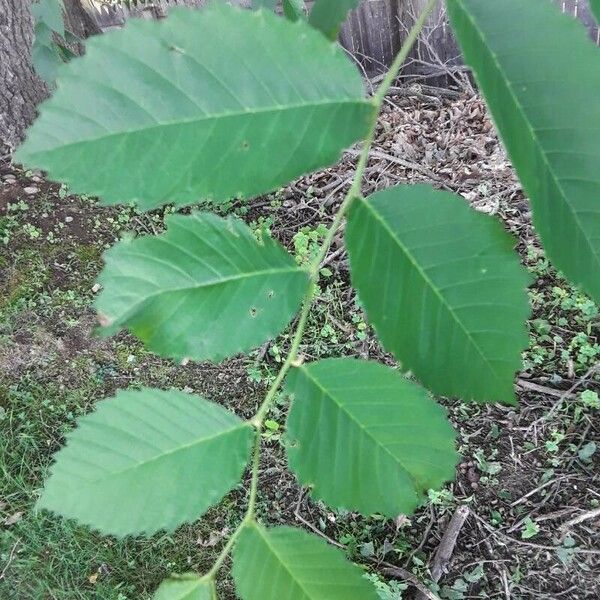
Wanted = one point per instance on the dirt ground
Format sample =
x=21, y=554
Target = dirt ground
x=530, y=475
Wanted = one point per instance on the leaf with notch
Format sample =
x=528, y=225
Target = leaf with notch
x=205, y=289
x=266, y=4
x=186, y=587
x=443, y=288
x=46, y=55
x=328, y=15
x=147, y=460
x=294, y=9
x=284, y=562
x=49, y=12
x=540, y=76
x=365, y=438
x=156, y=113
x=596, y=9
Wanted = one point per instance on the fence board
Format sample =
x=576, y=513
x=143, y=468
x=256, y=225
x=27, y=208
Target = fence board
x=437, y=50
x=373, y=33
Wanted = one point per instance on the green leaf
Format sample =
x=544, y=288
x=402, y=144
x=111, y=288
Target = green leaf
x=365, y=438
x=596, y=9
x=205, y=289
x=283, y=562
x=530, y=529
x=586, y=452
x=45, y=57
x=328, y=15
x=45, y=53
x=266, y=4
x=186, y=587
x=443, y=289
x=156, y=113
x=49, y=13
x=147, y=460
x=294, y=9
x=540, y=76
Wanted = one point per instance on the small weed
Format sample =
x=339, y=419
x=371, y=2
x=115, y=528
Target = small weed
x=530, y=529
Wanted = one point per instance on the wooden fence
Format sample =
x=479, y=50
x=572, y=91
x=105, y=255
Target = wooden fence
x=373, y=32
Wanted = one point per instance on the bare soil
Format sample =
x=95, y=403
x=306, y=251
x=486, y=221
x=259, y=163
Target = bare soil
x=533, y=529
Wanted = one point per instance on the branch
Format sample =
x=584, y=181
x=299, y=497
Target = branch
x=445, y=550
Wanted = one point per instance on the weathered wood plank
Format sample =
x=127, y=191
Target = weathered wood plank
x=373, y=33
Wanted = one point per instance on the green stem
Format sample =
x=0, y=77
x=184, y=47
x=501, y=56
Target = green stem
x=227, y=549
x=292, y=358
x=251, y=510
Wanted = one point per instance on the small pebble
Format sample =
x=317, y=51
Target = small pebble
x=472, y=475
x=31, y=190
x=96, y=288
x=68, y=219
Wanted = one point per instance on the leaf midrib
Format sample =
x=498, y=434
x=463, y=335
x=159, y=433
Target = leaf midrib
x=292, y=269
x=198, y=119
x=262, y=531
x=341, y=407
x=519, y=107
x=430, y=284
x=239, y=426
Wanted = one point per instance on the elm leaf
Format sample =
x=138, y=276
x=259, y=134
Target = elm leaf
x=365, y=438
x=443, y=288
x=284, y=562
x=540, y=76
x=206, y=104
x=147, y=460
x=186, y=587
x=328, y=15
x=206, y=289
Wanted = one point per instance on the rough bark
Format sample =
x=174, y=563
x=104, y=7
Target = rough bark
x=78, y=20
x=109, y=17
x=20, y=88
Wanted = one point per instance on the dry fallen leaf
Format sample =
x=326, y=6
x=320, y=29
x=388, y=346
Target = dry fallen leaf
x=15, y=518
x=104, y=320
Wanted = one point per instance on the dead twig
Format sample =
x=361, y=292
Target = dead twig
x=400, y=573
x=537, y=489
x=403, y=163
x=570, y=391
x=443, y=554
x=541, y=389
x=10, y=559
x=590, y=514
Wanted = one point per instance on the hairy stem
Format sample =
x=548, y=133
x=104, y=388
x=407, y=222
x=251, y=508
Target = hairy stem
x=292, y=357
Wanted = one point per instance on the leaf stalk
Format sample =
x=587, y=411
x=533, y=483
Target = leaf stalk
x=353, y=194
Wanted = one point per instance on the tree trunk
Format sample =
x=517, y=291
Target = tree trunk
x=20, y=88
x=78, y=20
